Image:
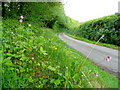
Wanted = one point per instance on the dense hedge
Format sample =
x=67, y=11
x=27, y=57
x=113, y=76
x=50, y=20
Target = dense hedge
x=94, y=29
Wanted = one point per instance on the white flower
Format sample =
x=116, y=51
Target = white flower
x=21, y=17
x=29, y=25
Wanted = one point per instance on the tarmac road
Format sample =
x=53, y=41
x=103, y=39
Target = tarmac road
x=105, y=58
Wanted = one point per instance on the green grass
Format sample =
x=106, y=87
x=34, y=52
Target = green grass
x=35, y=57
x=94, y=42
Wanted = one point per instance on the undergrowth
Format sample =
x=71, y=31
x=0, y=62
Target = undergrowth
x=34, y=57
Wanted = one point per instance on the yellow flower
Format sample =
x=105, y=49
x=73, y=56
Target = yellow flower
x=55, y=48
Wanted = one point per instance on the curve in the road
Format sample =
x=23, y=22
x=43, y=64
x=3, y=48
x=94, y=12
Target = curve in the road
x=98, y=55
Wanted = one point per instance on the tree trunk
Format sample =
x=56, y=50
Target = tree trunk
x=3, y=9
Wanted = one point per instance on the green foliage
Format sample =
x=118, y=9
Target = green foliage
x=14, y=9
x=34, y=57
x=94, y=29
x=48, y=13
x=25, y=57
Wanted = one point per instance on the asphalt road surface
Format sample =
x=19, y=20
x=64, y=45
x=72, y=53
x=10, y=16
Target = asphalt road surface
x=105, y=58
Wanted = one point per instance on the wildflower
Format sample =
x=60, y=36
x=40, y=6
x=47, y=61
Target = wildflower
x=55, y=48
x=108, y=58
x=29, y=25
x=96, y=74
x=32, y=57
x=20, y=20
x=21, y=17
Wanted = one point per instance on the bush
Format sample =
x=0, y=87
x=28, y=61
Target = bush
x=94, y=29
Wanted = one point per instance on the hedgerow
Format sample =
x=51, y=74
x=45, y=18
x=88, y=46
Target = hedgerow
x=94, y=29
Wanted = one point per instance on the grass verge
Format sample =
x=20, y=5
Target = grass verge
x=35, y=57
x=93, y=42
